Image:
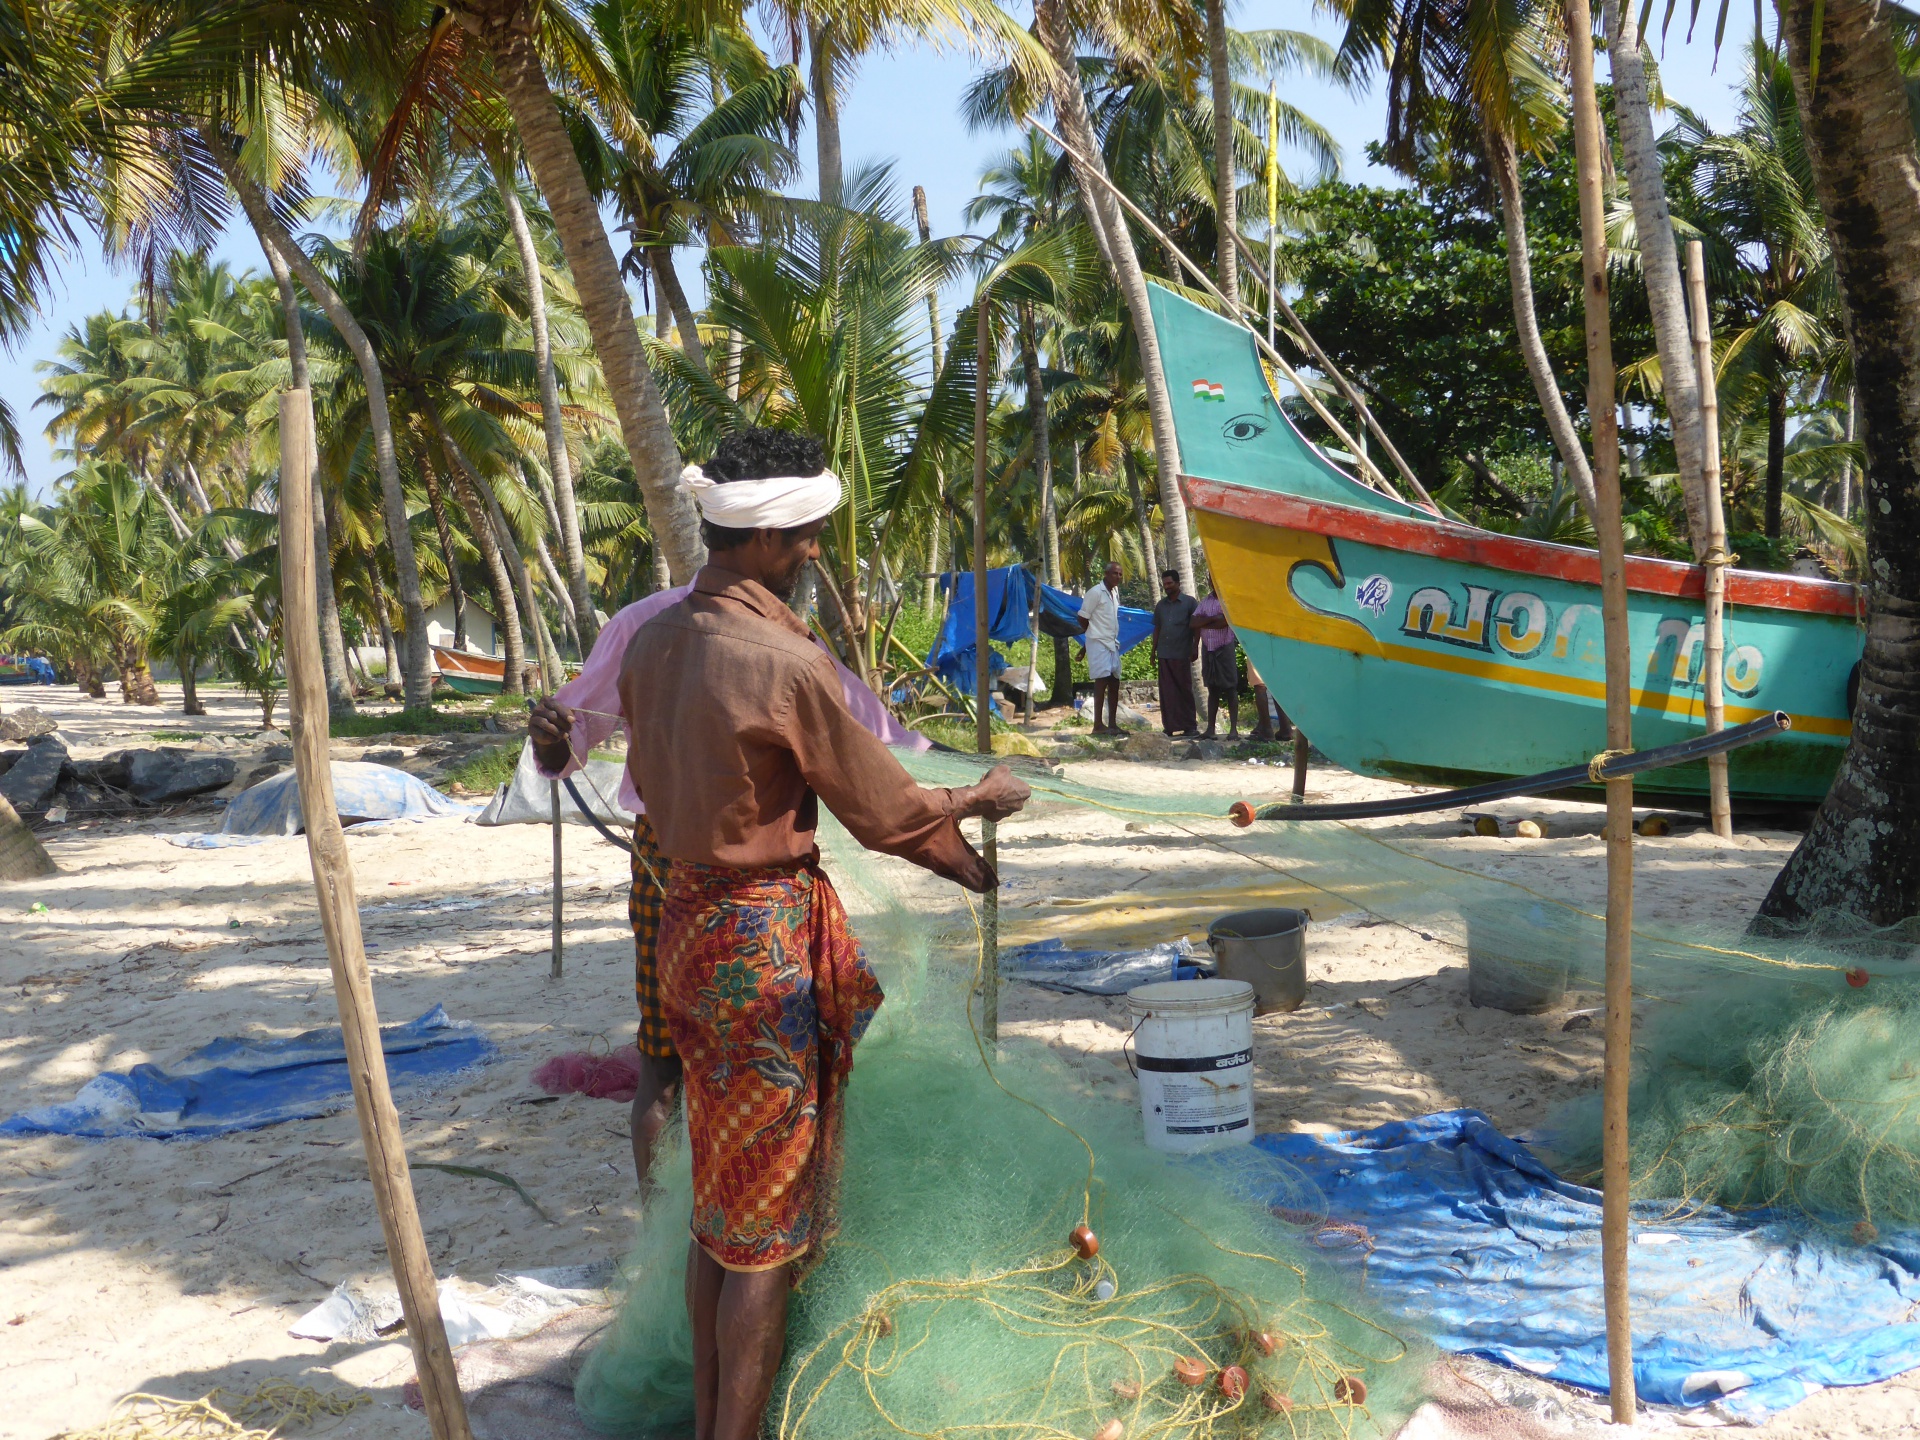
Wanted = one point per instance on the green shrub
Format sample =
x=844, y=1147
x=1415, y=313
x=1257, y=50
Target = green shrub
x=486, y=769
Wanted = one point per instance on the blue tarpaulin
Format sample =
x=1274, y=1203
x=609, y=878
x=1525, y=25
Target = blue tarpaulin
x=1009, y=613
x=1479, y=1245
x=236, y=1083
x=361, y=791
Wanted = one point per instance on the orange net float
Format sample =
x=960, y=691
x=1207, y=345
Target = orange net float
x=1857, y=978
x=1350, y=1388
x=1085, y=1243
x=1241, y=812
x=1265, y=1341
x=1233, y=1382
x=1112, y=1430
x=1276, y=1403
x=1189, y=1371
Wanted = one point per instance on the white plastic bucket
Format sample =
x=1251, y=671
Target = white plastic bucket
x=1193, y=1054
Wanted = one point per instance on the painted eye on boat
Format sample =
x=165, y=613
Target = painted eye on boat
x=1242, y=428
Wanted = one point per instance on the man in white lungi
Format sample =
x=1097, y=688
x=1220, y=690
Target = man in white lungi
x=1100, y=624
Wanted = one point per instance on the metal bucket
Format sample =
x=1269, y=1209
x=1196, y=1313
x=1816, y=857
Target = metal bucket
x=1518, y=959
x=1268, y=950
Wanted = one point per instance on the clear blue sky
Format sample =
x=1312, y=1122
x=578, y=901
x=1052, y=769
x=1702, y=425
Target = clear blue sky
x=903, y=107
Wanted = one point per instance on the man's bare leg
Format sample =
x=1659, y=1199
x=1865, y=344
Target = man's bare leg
x=704, y=1278
x=751, y=1328
x=652, y=1108
x=739, y=1336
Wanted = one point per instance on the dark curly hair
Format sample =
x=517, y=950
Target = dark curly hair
x=757, y=453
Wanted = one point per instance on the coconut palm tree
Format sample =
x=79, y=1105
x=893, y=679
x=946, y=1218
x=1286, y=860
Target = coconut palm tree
x=1859, y=855
x=1477, y=78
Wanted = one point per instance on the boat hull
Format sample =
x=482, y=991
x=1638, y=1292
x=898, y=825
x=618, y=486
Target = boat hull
x=1416, y=668
x=470, y=684
x=466, y=674
x=1415, y=648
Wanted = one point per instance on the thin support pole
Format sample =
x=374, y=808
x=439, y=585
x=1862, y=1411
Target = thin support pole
x=340, y=919
x=1590, y=156
x=1302, y=752
x=990, y=937
x=559, y=887
x=1033, y=651
x=982, y=676
x=1713, y=669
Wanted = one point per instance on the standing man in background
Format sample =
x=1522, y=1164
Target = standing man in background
x=1219, y=662
x=1100, y=623
x=1175, y=644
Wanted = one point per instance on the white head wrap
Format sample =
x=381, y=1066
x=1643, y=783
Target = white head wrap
x=779, y=502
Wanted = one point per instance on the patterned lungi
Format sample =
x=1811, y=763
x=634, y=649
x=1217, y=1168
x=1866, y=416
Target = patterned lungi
x=765, y=994
x=644, y=903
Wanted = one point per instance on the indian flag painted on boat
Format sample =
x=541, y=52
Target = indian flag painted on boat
x=1417, y=648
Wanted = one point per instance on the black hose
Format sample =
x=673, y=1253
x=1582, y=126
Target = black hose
x=593, y=819
x=1633, y=762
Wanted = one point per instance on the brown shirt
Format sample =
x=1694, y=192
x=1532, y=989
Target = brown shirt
x=744, y=729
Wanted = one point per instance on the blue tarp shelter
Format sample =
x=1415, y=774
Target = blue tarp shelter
x=1009, y=612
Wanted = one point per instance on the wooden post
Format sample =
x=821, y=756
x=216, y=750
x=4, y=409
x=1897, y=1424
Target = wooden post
x=983, y=698
x=559, y=890
x=1033, y=650
x=1302, y=752
x=1713, y=665
x=340, y=919
x=1589, y=147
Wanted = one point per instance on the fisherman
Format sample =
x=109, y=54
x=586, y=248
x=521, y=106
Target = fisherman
x=1219, y=662
x=762, y=984
x=1100, y=624
x=1175, y=646
x=569, y=726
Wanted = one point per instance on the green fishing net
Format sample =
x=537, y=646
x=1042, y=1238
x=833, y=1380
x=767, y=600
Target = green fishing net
x=1779, y=1069
x=953, y=1303
x=1776, y=1071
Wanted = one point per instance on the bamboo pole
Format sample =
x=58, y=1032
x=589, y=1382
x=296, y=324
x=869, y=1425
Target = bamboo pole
x=1589, y=148
x=340, y=919
x=1302, y=753
x=1713, y=668
x=559, y=891
x=982, y=676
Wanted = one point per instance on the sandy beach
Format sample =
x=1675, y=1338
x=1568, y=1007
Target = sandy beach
x=134, y=1265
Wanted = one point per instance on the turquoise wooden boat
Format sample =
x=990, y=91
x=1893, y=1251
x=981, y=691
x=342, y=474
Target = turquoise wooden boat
x=1411, y=647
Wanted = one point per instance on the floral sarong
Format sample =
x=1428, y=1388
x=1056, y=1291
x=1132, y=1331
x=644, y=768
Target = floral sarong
x=765, y=994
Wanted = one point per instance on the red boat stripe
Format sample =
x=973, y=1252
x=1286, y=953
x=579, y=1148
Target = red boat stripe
x=1446, y=540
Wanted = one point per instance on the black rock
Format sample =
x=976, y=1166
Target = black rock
x=8, y=758
x=158, y=777
x=30, y=782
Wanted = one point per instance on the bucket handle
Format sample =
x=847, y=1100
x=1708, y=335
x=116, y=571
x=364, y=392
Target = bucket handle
x=1126, y=1043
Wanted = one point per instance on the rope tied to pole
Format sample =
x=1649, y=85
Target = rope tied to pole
x=1600, y=762
x=1719, y=555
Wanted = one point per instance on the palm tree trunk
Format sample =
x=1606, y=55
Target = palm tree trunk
x=559, y=463
x=417, y=684
x=22, y=856
x=1226, y=206
x=1148, y=556
x=1776, y=458
x=1505, y=164
x=937, y=534
x=333, y=643
x=1659, y=260
x=189, y=685
x=826, y=109
x=445, y=532
x=384, y=615
x=506, y=28
x=1116, y=242
x=1042, y=446
x=671, y=291
x=1862, y=853
x=467, y=487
